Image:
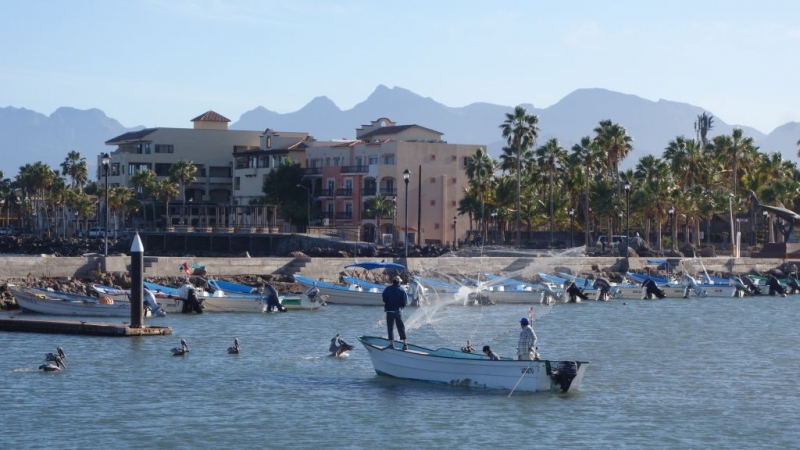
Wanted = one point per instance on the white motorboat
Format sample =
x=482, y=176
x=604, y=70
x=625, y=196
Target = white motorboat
x=345, y=295
x=44, y=301
x=458, y=368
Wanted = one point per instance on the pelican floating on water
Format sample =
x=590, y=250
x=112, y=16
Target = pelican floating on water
x=182, y=350
x=51, y=367
x=338, y=346
x=236, y=348
x=59, y=354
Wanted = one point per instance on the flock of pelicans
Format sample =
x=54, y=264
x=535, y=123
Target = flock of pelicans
x=54, y=362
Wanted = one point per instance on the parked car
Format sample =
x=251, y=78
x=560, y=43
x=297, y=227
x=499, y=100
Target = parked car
x=97, y=232
x=5, y=230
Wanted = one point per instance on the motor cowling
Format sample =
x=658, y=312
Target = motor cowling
x=565, y=372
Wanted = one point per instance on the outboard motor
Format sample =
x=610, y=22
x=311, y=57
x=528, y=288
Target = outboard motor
x=190, y=301
x=151, y=304
x=565, y=372
x=791, y=283
x=604, y=287
x=651, y=289
x=273, y=302
x=313, y=294
x=775, y=286
x=741, y=288
x=548, y=294
x=575, y=292
x=752, y=289
x=691, y=285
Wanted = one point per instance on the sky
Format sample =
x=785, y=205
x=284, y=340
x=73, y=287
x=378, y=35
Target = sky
x=163, y=62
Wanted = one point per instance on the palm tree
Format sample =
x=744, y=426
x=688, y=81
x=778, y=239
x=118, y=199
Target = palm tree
x=143, y=181
x=380, y=206
x=704, y=124
x=118, y=200
x=75, y=167
x=520, y=130
x=480, y=170
x=614, y=141
x=183, y=171
x=653, y=180
x=588, y=154
x=165, y=190
x=551, y=158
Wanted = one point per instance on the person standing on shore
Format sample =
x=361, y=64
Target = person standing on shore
x=526, y=348
x=394, y=300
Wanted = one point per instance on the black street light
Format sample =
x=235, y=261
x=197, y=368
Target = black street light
x=627, y=215
x=571, y=227
x=455, y=234
x=406, y=178
x=671, y=213
x=765, y=213
x=106, y=160
x=308, y=207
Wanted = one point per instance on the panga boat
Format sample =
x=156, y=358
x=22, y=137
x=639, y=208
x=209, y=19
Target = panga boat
x=459, y=368
x=43, y=301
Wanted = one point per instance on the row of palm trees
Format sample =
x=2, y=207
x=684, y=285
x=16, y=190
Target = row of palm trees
x=45, y=200
x=694, y=177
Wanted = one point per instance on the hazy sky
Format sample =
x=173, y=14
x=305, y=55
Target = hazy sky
x=163, y=62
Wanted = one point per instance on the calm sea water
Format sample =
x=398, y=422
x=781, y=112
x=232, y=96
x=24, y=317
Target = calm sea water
x=673, y=373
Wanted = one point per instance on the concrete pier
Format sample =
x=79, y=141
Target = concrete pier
x=79, y=327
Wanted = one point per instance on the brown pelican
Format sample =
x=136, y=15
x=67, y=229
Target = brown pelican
x=182, y=350
x=236, y=348
x=50, y=367
x=59, y=354
x=338, y=346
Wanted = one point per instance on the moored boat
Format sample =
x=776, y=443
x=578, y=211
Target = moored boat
x=43, y=301
x=458, y=368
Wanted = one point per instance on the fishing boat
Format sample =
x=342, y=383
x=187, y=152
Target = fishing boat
x=291, y=300
x=344, y=295
x=458, y=368
x=44, y=301
x=503, y=290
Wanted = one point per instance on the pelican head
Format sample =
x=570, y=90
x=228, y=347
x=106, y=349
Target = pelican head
x=59, y=354
x=236, y=348
x=182, y=350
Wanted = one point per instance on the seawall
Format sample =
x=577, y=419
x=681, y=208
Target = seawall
x=329, y=268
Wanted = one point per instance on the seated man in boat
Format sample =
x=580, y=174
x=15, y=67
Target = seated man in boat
x=526, y=348
x=490, y=353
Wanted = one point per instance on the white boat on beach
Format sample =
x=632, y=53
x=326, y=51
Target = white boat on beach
x=43, y=301
x=458, y=368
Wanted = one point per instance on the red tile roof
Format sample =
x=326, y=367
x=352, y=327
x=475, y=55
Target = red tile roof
x=210, y=116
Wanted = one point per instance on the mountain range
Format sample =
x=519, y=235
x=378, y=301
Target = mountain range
x=27, y=136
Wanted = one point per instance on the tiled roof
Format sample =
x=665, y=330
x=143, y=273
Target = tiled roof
x=391, y=130
x=210, y=116
x=130, y=136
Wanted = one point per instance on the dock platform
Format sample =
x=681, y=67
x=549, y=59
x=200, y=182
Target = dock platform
x=80, y=327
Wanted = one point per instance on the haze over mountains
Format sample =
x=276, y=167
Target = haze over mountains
x=27, y=136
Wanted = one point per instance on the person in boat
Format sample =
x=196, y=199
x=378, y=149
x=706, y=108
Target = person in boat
x=574, y=292
x=273, y=301
x=775, y=286
x=394, y=300
x=526, y=348
x=602, y=285
x=490, y=353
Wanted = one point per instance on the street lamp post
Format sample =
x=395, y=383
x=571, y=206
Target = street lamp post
x=765, y=213
x=406, y=178
x=571, y=227
x=308, y=207
x=627, y=215
x=671, y=213
x=455, y=234
x=620, y=227
x=106, y=160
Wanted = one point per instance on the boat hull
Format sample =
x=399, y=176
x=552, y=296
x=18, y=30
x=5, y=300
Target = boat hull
x=62, y=304
x=467, y=369
x=342, y=295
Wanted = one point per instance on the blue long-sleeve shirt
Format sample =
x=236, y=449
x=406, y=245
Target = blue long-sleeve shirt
x=394, y=298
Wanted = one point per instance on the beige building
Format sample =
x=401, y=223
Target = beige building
x=346, y=175
x=209, y=145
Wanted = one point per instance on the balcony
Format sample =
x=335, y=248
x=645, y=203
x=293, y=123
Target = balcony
x=324, y=193
x=355, y=169
x=312, y=171
x=344, y=215
x=344, y=192
x=388, y=192
x=369, y=191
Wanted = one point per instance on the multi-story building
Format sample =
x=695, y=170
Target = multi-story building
x=251, y=166
x=345, y=175
x=209, y=145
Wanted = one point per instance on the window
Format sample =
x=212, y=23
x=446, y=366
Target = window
x=465, y=161
x=269, y=141
x=162, y=169
x=433, y=157
x=433, y=180
x=436, y=226
x=165, y=148
x=147, y=148
x=114, y=169
x=373, y=160
x=137, y=167
x=388, y=160
x=237, y=183
x=219, y=172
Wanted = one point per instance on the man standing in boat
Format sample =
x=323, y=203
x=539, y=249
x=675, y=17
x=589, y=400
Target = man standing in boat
x=526, y=349
x=394, y=300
